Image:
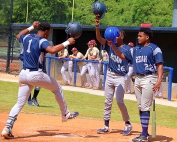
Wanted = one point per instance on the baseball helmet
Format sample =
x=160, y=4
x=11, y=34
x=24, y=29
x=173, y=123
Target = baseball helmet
x=111, y=33
x=99, y=9
x=74, y=29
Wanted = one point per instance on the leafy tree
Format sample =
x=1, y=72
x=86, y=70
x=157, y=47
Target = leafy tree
x=120, y=12
x=158, y=12
x=4, y=12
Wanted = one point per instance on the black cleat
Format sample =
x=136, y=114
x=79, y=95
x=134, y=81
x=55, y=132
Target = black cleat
x=141, y=139
x=34, y=100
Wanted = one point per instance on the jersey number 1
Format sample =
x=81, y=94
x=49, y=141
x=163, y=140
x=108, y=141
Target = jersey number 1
x=29, y=45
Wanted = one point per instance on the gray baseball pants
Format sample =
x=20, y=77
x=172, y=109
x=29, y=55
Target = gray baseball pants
x=29, y=79
x=115, y=84
x=143, y=91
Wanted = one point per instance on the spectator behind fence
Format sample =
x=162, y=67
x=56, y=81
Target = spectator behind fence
x=104, y=57
x=93, y=68
x=78, y=55
x=67, y=65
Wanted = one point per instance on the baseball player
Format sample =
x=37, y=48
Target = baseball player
x=67, y=65
x=34, y=47
x=148, y=68
x=78, y=55
x=129, y=74
x=104, y=58
x=93, y=68
x=34, y=98
x=115, y=80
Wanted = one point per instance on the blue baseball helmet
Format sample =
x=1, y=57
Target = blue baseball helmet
x=111, y=33
x=99, y=9
x=74, y=29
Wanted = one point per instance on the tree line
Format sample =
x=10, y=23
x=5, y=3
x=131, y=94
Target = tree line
x=120, y=12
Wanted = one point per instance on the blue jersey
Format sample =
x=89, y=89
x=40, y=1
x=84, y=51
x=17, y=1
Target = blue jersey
x=33, y=52
x=145, y=58
x=117, y=64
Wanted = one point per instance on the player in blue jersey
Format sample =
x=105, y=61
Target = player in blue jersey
x=148, y=68
x=36, y=89
x=34, y=48
x=115, y=80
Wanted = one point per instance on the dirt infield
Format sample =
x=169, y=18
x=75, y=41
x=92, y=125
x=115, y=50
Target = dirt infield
x=45, y=128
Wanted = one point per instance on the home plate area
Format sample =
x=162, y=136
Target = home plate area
x=45, y=128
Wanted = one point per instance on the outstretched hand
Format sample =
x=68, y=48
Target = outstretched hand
x=71, y=40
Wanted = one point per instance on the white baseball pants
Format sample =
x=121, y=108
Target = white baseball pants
x=27, y=80
x=67, y=65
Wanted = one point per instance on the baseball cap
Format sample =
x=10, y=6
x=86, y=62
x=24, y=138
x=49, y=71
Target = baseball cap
x=131, y=44
x=74, y=49
x=92, y=42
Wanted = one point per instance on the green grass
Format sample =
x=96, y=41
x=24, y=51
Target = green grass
x=89, y=106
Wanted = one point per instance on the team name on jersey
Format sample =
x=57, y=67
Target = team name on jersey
x=115, y=58
x=140, y=59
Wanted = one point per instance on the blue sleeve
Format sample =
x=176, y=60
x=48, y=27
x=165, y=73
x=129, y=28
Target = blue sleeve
x=21, y=38
x=159, y=58
x=21, y=57
x=157, y=53
x=128, y=55
x=44, y=45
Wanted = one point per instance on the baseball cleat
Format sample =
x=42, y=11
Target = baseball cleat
x=95, y=88
x=69, y=116
x=141, y=139
x=29, y=103
x=34, y=100
x=127, y=130
x=6, y=133
x=103, y=130
x=90, y=87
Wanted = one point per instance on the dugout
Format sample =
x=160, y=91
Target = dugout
x=164, y=37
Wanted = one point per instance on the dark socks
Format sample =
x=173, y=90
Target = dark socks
x=144, y=117
x=36, y=92
x=127, y=122
x=29, y=99
x=106, y=123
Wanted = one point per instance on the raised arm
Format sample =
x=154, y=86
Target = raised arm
x=118, y=53
x=59, y=47
x=98, y=36
x=27, y=30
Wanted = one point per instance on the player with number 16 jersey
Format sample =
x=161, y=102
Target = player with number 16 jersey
x=115, y=78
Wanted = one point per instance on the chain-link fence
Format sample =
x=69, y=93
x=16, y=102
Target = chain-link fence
x=9, y=49
x=3, y=41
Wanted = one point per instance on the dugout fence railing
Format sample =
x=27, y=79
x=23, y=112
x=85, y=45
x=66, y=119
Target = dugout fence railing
x=75, y=67
x=169, y=77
